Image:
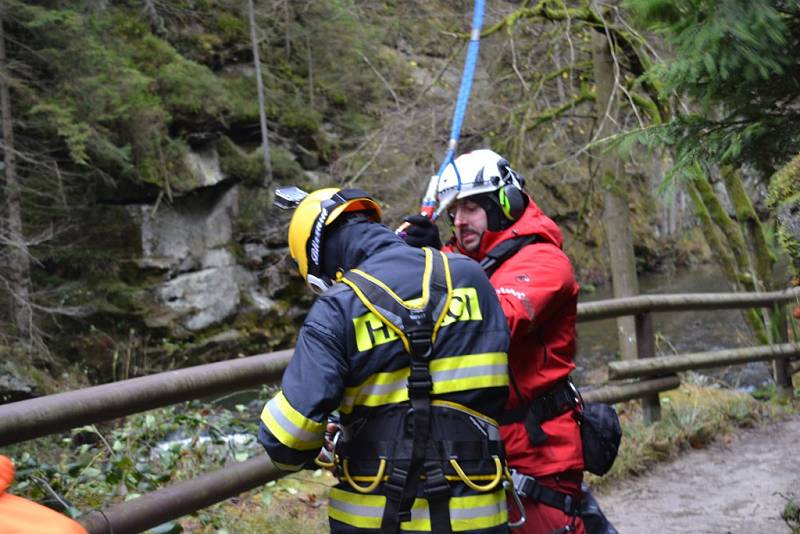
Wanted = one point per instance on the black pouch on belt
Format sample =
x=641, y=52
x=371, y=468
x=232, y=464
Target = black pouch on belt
x=601, y=435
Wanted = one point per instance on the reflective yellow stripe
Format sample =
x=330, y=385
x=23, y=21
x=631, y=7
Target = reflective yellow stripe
x=455, y=373
x=291, y=427
x=468, y=360
x=466, y=513
x=377, y=390
x=478, y=511
x=454, y=478
x=473, y=371
x=361, y=511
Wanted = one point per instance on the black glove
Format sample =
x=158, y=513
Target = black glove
x=421, y=232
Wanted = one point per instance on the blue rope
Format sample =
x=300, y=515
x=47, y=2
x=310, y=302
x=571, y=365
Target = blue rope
x=466, y=86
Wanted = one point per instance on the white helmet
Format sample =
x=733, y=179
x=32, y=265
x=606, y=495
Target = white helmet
x=480, y=172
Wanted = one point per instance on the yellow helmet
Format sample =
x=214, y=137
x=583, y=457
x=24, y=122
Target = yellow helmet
x=313, y=214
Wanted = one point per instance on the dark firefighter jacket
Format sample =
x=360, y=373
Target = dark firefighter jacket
x=347, y=360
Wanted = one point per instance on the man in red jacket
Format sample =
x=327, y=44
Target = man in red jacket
x=497, y=224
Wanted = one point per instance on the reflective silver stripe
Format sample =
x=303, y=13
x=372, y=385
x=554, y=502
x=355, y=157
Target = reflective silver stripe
x=466, y=372
x=383, y=389
x=478, y=511
x=288, y=426
x=356, y=509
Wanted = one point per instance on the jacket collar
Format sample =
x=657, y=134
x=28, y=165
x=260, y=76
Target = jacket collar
x=348, y=245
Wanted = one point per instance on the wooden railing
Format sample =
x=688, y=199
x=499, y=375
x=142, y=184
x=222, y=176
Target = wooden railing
x=32, y=418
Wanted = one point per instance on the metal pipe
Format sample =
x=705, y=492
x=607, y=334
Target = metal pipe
x=661, y=365
x=613, y=393
x=32, y=418
x=605, y=309
x=160, y=506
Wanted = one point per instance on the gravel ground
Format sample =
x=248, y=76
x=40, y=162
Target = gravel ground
x=733, y=486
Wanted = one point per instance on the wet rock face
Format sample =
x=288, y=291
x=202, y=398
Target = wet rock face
x=204, y=285
x=14, y=385
x=202, y=298
x=181, y=283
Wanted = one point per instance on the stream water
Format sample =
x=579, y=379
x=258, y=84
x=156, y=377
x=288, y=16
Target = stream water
x=676, y=332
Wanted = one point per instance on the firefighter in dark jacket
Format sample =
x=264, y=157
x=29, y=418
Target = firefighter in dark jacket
x=409, y=345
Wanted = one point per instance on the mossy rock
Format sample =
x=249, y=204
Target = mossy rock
x=248, y=167
x=240, y=165
x=299, y=122
x=784, y=197
x=243, y=99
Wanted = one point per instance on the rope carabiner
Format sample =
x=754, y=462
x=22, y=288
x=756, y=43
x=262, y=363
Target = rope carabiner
x=508, y=485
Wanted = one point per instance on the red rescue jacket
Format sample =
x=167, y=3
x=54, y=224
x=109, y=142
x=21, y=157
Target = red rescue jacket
x=539, y=295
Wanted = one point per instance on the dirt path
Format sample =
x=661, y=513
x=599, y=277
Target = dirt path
x=732, y=486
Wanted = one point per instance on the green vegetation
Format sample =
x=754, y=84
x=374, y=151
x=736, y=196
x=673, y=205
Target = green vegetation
x=94, y=467
x=791, y=512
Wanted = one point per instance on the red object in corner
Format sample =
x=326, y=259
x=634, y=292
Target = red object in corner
x=21, y=516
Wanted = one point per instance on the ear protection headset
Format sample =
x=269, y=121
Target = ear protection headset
x=511, y=197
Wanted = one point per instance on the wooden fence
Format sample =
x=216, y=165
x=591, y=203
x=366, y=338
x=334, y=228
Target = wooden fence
x=32, y=418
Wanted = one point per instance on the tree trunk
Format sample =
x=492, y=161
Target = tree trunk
x=762, y=258
x=18, y=260
x=616, y=214
x=727, y=243
x=262, y=114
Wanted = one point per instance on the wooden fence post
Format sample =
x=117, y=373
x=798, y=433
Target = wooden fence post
x=646, y=348
x=781, y=368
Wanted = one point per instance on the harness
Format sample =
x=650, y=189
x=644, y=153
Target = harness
x=430, y=440
x=501, y=252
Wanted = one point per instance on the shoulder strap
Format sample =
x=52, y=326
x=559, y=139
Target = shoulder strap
x=417, y=327
x=495, y=257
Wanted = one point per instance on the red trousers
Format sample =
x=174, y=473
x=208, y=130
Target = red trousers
x=544, y=519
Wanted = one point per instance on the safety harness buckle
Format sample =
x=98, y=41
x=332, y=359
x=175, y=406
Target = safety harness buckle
x=436, y=485
x=420, y=382
x=393, y=487
x=527, y=486
x=419, y=339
